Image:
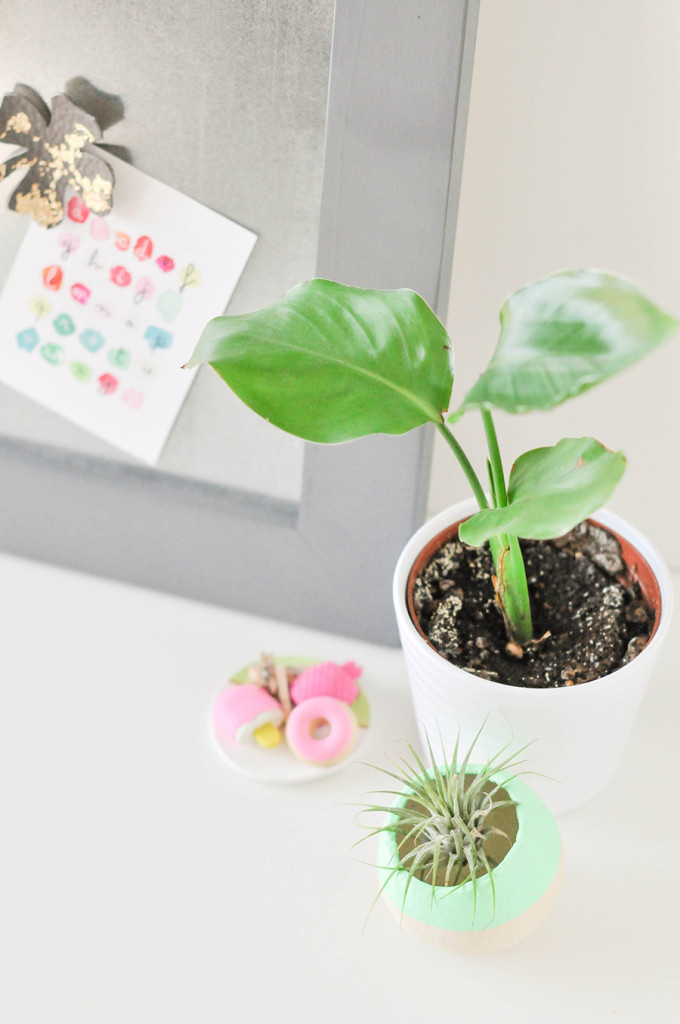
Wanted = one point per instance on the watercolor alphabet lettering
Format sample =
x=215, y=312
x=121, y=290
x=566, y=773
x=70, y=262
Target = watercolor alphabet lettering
x=98, y=315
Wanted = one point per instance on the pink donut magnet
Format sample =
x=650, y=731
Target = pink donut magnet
x=321, y=730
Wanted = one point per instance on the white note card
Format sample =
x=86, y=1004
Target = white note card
x=99, y=314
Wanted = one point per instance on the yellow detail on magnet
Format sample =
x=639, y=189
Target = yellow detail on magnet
x=267, y=735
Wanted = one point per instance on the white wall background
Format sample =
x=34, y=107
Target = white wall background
x=573, y=159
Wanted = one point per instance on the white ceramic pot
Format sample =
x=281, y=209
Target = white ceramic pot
x=577, y=732
x=525, y=886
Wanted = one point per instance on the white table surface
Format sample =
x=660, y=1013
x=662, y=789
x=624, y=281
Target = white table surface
x=142, y=881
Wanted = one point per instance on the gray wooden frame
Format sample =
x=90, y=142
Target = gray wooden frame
x=398, y=97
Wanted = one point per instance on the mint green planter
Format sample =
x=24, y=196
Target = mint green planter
x=527, y=882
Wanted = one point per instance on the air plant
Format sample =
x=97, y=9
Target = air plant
x=445, y=821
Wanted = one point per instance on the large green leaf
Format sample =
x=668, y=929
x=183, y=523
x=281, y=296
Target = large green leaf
x=562, y=335
x=550, y=491
x=329, y=363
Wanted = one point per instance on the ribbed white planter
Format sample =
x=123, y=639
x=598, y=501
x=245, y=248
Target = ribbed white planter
x=577, y=732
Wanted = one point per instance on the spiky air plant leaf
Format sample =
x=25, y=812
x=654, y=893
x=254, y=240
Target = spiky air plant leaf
x=444, y=823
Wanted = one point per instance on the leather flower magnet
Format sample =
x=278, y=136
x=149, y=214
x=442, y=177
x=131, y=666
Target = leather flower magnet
x=58, y=153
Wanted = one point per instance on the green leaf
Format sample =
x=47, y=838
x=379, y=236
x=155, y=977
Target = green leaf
x=550, y=491
x=329, y=363
x=564, y=334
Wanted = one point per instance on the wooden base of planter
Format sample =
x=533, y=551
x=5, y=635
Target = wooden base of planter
x=487, y=940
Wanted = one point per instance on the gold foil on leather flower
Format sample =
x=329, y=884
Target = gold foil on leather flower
x=58, y=152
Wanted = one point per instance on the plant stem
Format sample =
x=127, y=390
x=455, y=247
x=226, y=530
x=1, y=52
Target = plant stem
x=465, y=465
x=513, y=593
x=498, y=475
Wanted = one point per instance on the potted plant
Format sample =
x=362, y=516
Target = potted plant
x=330, y=363
x=469, y=857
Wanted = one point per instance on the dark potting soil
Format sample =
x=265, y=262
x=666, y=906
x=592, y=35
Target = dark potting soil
x=581, y=596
